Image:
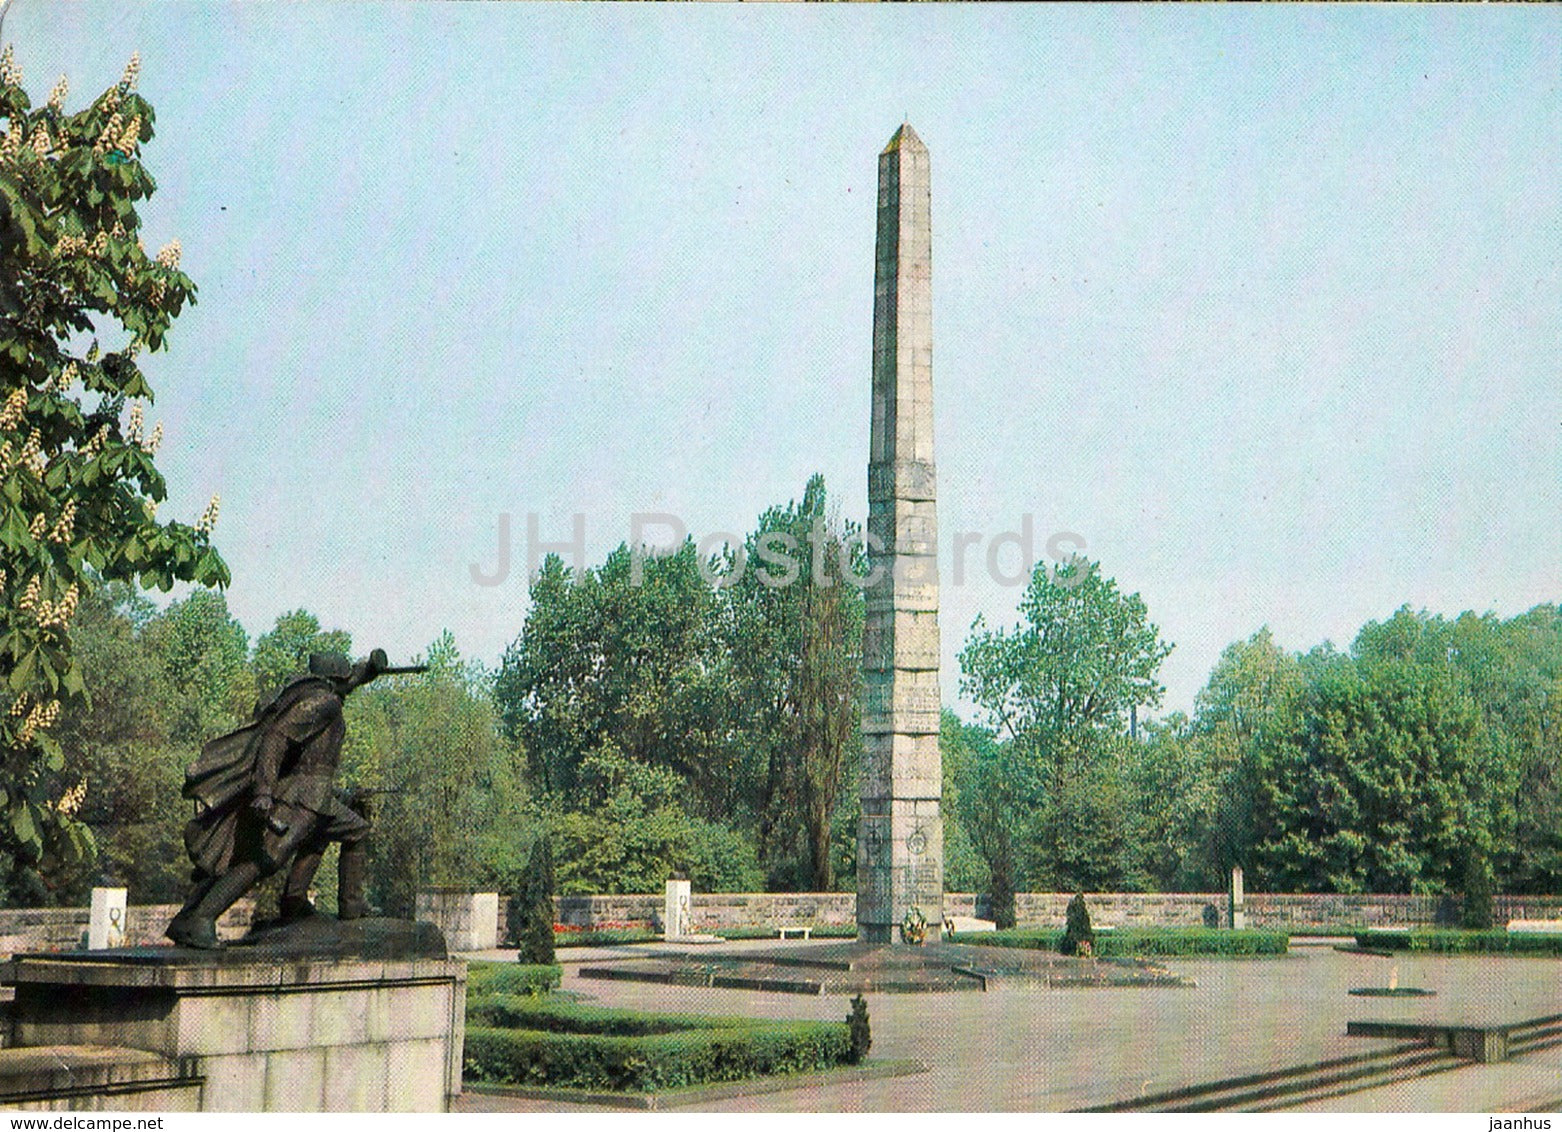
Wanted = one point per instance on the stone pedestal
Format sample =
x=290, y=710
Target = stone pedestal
x=97, y=1079
x=293, y=1034
x=678, y=915
x=106, y=922
x=469, y=920
x=675, y=909
x=1238, y=901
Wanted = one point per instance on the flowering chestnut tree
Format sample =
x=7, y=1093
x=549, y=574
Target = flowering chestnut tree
x=80, y=301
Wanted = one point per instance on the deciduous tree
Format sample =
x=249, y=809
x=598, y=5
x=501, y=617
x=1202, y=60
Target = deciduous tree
x=81, y=302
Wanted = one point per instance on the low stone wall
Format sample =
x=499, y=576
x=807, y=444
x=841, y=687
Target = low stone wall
x=65, y=929
x=713, y=911
x=1113, y=909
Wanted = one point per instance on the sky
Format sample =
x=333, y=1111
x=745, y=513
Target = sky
x=1263, y=303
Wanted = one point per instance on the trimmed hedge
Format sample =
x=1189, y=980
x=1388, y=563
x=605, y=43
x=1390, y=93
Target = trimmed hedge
x=1131, y=942
x=525, y=1041
x=1449, y=942
x=511, y=978
x=512, y=1012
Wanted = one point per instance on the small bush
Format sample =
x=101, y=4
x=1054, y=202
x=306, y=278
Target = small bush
x=1449, y=942
x=1130, y=942
x=511, y=978
x=861, y=1032
x=1076, y=930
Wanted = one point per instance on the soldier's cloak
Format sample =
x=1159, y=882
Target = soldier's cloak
x=221, y=781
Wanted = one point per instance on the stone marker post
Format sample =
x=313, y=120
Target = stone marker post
x=1238, y=908
x=900, y=842
x=675, y=911
x=106, y=926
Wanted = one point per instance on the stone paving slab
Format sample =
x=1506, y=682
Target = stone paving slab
x=1030, y=1048
x=851, y=968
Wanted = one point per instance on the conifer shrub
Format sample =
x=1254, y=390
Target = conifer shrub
x=535, y=938
x=861, y=1033
x=1077, y=933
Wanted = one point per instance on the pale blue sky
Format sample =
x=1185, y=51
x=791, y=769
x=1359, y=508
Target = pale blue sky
x=1266, y=303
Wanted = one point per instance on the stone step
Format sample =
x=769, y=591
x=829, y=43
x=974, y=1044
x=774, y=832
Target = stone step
x=1295, y=1083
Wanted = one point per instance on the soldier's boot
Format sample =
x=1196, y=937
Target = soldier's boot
x=351, y=870
x=180, y=924
x=196, y=923
x=295, y=904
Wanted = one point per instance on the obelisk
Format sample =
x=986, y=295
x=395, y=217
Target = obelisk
x=900, y=844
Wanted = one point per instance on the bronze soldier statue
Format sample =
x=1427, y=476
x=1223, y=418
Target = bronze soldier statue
x=265, y=795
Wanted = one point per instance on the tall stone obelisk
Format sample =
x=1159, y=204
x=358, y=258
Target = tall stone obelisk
x=900, y=845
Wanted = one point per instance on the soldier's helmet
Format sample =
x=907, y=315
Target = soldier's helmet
x=344, y=673
x=331, y=665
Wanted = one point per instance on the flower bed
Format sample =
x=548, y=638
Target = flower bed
x=1130, y=942
x=601, y=937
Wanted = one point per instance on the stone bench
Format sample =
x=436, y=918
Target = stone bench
x=787, y=930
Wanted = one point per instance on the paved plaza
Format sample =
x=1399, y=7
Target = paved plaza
x=1019, y=1048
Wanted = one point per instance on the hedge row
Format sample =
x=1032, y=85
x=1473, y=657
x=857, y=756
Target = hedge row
x=511, y=978
x=1450, y=942
x=1128, y=942
x=511, y=1012
x=652, y=1062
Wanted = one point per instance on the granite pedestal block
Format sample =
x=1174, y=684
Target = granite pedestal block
x=97, y=1079
x=469, y=920
x=266, y=1034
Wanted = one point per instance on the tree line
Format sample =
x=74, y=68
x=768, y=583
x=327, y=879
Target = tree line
x=1426, y=758
x=649, y=720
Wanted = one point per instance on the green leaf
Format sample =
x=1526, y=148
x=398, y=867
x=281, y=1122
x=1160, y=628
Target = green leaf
x=22, y=675
x=22, y=825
